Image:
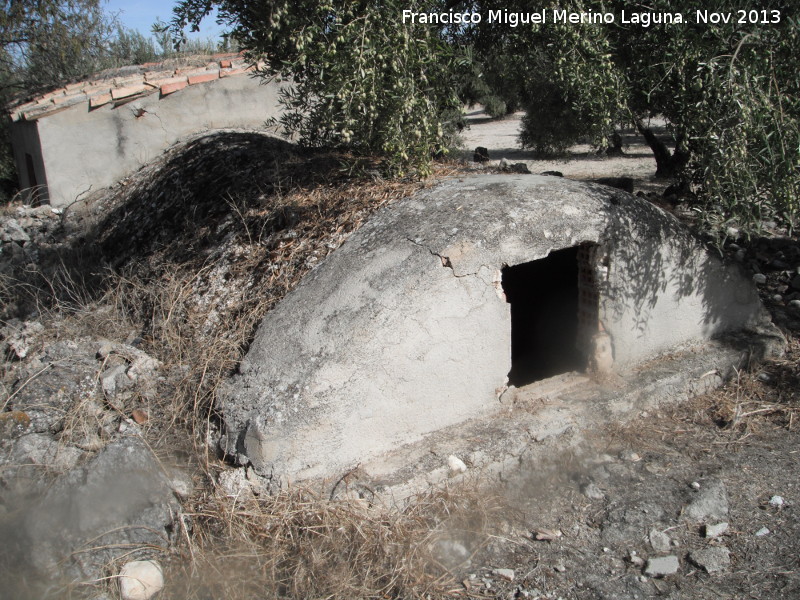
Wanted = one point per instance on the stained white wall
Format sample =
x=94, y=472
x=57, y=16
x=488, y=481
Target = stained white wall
x=85, y=150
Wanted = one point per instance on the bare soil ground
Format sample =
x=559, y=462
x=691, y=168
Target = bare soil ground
x=581, y=162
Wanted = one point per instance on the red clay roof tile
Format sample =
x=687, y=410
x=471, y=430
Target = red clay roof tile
x=122, y=88
x=195, y=79
x=100, y=100
x=168, y=88
x=125, y=92
x=69, y=100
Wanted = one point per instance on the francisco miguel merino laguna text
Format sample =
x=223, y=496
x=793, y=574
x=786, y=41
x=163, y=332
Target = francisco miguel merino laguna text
x=642, y=19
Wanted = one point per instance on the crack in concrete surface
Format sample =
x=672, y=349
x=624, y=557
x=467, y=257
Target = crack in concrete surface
x=447, y=263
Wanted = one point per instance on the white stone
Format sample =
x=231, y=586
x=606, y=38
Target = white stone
x=21, y=340
x=659, y=540
x=776, y=501
x=140, y=580
x=759, y=279
x=664, y=565
x=456, y=464
x=234, y=483
x=593, y=492
x=109, y=380
x=507, y=574
x=717, y=530
x=713, y=559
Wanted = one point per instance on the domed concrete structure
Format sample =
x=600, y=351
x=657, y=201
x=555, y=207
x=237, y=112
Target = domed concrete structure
x=427, y=313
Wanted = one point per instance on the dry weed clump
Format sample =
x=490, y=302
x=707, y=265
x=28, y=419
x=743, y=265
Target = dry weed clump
x=766, y=395
x=298, y=545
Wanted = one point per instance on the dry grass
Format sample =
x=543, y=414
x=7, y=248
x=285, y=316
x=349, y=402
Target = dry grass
x=770, y=393
x=298, y=545
x=198, y=317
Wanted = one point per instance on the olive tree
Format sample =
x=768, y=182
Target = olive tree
x=727, y=89
x=357, y=75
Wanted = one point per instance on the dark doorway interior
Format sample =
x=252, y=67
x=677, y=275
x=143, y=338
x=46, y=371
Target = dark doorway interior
x=32, y=183
x=544, y=317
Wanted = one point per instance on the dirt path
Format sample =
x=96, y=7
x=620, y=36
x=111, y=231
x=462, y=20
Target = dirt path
x=500, y=137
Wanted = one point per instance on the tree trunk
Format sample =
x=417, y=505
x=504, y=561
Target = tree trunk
x=668, y=164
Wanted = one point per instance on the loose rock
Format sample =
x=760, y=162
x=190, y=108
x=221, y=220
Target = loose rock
x=592, y=491
x=20, y=337
x=659, y=540
x=456, y=465
x=630, y=456
x=713, y=559
x=635, y=559
x=712, y=531
x=96, y=512
x=234, y=483
x=509, y=167
x=507, y=574
x=11, y=231
x=711, y=503
x=481, y=154
x=547, y=535
x=661, y=566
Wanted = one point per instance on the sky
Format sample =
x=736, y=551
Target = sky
x=141, y=14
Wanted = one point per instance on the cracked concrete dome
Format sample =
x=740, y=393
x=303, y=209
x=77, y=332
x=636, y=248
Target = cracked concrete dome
x=428, y=312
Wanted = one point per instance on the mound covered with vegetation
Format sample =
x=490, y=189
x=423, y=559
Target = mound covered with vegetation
x=122, y=316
